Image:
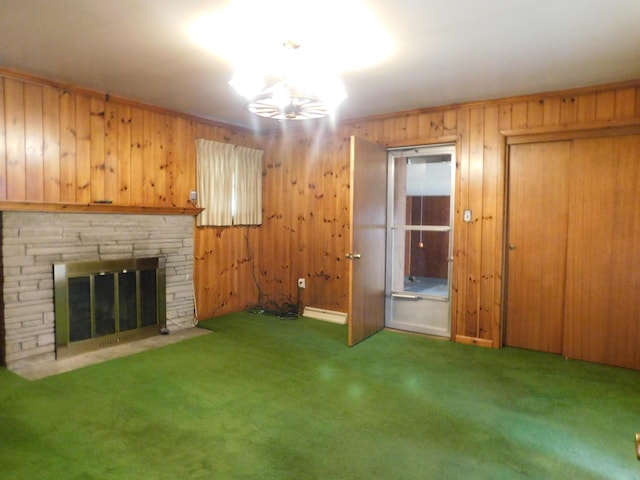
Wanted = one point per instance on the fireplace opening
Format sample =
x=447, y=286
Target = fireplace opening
x=104, y=303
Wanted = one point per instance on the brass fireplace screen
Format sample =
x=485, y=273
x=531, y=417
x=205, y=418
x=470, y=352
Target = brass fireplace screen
x=104, y=303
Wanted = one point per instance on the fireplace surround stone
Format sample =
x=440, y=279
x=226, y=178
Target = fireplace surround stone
x=32, y=242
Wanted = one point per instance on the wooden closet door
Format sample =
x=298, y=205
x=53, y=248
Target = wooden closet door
x=602, y=309
x=537, y=241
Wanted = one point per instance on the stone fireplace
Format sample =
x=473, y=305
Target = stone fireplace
x=32, y=242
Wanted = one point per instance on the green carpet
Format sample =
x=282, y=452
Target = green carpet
x=264, y=398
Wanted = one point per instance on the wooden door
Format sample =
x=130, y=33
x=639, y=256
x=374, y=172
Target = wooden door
x=602, y=309
x=536, y=244
x=367, y=243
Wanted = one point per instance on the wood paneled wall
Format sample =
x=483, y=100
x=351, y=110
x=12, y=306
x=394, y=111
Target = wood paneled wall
x=72, y=146
x=306, y=218
x=306, y=189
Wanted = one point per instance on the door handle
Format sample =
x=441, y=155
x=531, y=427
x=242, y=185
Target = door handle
x=405, y=296
x=512, y=246
x=353, y=256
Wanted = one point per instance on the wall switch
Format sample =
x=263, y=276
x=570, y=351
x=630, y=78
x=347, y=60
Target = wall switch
x=302, y=283
x=467, y=215
x=193, y=195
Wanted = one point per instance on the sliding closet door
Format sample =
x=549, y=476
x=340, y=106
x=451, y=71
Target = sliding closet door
x=537, y=240
x=602, y=310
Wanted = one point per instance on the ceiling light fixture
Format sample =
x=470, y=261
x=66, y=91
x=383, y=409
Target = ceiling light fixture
x=298, y=93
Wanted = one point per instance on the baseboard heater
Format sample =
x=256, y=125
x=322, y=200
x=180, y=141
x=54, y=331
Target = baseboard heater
x=326, y=315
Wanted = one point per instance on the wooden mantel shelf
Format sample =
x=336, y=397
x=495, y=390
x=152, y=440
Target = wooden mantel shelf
x=95, y=208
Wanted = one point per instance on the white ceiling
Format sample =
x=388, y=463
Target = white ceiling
x=446, y=51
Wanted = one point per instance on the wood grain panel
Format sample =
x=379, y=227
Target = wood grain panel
x=603, y=267
x=67, y=147
x=605, y=105
x=97, y=152
x=124, y=148
x=552, y=111
x=474, y=232
x=389, y=126
x=505, y=122
x=625, y=103
x=436, y=125
x=461, y=240
x=111, y=151
x=399, y=129
x=535, y=113
x=83, y=149
x=568, y=110
x=136, y=182
x=34, y=140
x=586, y=108
x=519, y=115
x=449, y=122
x=148, y=163
x=51, y=145
x=306, y=221
x=3, y=145
x=160, y=148
x=413, y=126
x=490, y=228
x=170, y=162
x=15, y=138
x=182, y=177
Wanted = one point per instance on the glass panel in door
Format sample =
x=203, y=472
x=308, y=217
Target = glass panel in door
x=420, y=239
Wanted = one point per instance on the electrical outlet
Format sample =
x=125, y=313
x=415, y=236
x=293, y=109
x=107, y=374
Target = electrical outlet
x=467, y=216
x=193, y=195
x=302, y=283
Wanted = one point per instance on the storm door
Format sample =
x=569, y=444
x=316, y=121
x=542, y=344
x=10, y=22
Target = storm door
x=419, y=239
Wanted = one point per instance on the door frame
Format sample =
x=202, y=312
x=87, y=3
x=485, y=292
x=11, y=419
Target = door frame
x=445, y=144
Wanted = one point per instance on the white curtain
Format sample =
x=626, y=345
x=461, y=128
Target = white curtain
x=248, y=186
x=229, y=182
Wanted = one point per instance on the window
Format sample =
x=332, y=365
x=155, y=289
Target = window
x=229, y=181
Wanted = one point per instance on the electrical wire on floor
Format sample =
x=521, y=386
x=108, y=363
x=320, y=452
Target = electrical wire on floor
x=276, y=305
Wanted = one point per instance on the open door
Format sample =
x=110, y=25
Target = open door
x=366, y=255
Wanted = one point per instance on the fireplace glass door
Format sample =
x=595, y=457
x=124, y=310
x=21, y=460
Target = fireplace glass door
x=104, y=303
